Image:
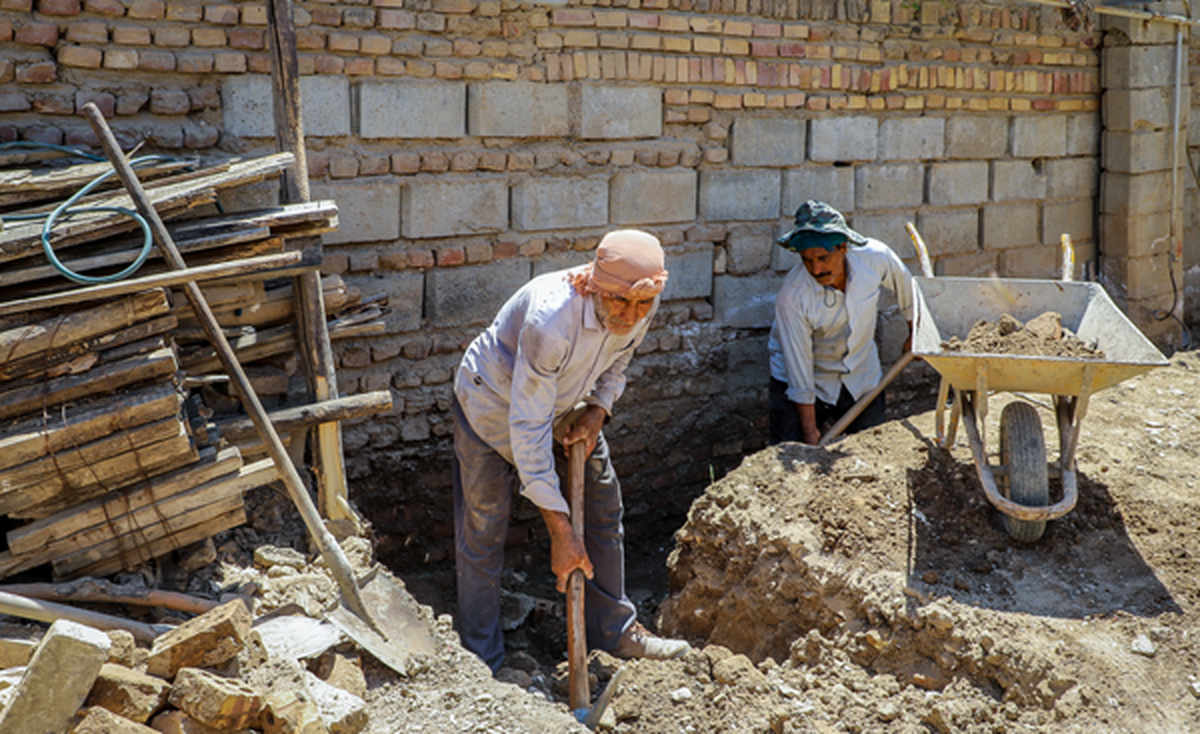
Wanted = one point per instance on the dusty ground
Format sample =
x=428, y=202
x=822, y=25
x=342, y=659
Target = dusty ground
x=871, y=587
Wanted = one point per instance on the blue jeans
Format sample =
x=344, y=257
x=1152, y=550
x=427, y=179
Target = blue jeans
x=484, y=485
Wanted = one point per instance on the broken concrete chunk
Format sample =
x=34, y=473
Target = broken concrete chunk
x=296, y=636
x=344, y=670
x=207, y=641
x=344, y=713
x=124, y=650
x=177, y=722
x=269, y=555
x=57, y=679
x=96, y=720
x=15, y=653
x=128, y=693
x=288, y=711
x=222, y=703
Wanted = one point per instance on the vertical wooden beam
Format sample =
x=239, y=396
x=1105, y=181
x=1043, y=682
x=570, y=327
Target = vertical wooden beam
x=316, y=350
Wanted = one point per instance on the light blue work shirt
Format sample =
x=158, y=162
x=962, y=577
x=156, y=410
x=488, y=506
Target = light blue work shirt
x=545, y=352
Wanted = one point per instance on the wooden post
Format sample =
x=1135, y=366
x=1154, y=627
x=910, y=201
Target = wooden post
x=316, y=350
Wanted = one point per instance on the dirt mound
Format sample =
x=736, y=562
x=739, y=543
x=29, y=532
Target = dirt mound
x=875, y=580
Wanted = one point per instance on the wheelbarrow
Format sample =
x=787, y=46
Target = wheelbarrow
x=1018, y=486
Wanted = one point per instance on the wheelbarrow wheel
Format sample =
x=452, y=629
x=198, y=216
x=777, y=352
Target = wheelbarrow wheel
x=1026, y=479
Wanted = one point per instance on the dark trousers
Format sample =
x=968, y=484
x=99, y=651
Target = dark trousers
x=785, y=419
x=484, y=485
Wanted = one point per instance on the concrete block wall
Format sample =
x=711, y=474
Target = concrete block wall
x=475, y=143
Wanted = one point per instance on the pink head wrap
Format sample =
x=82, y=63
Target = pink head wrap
x=629, y=263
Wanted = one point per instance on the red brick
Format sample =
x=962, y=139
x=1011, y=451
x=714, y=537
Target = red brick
x=51, y=135
x=449, y=256
x=229, y=63
x=221, y=14
x=420, y=259
x=406, y=162
x=6, y=34
x=131, y=36
x=8, y=134
x=14, y=102
x=172, y=37
x=572, y=17
x=397, y=20
x=194, y=63
x=247, y=39
x=435, y=162
x=360, y=67
x=41, y=73
x=199, y=137
x=326, y=64
x=131, y=104
x=326, y=16
x=318, y=164
x=95, y=33
x=185, y=12
x=106, y=103
x=204, y=98
x=21, y=6
x=208, y=37
x=53, y=104
x=59, y=7
x=157, y=61
x=310, y=40
x=146, y=9
x=258, y=63
x=38, y=34
x=110, y=8
x=169, y=102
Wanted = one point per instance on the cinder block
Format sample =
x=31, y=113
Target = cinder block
x=976, y=137
x=1076, y=218
x=746, y=302
x=517, y=110
x=833, y=185
x=1137, y=109
x=616, y=113
x=1069, y=178
x=341, y=711
x=1137, y=152
x=1031, y=262
x=1083, y=135
x=249, y=111
x=1139, y=32
x=410, y=109
x=209, y=640
x=448, y=208
x=888, y=227
x=962, y=182
x=690, y=269
x=889, y=186
x=97, y=720
x=1135, y=236
x=227, y=704
x=366, y=212
x=405, y=291
x=1018, y=181
x=472, y=295
x=57, y=679
x=1138, y=67
x=559, y=203
x=1137, y=277
x=843, y=139
x=15, y=652
x=768, y=143
x=1137, y=194
x=912, y=138
x=652, y=197
x=1006, y=226
x=950, y=231
x=1039, y=136
x=783, y=259
x=973, y=265
x=564, y=260
x=128, y=693
x=739, y=195
x=749, y=249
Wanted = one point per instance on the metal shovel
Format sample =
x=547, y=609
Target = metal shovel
x=393, y=633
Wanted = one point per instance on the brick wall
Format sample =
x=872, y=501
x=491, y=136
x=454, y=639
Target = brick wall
x=471, y=144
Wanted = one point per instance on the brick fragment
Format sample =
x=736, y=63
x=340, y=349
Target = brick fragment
x=209, y=640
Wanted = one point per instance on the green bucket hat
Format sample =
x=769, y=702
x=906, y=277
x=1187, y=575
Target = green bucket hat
x=818, y=225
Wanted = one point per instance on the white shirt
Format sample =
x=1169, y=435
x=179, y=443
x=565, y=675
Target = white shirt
x=544, y=353
x=823, y=338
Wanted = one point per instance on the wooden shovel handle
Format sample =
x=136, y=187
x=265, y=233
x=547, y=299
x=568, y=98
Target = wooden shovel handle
x=577, y=675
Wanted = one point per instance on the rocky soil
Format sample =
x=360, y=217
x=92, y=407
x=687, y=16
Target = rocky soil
x=870, y=586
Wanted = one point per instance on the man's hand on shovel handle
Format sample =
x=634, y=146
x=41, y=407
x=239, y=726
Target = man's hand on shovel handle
x=586, y=429
x=566, y=551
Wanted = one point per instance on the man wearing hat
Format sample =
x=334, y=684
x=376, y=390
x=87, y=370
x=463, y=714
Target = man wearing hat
x=565, y=337
x=822, y=345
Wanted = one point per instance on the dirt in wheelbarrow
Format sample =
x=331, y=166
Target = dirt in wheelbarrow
x=869, y=586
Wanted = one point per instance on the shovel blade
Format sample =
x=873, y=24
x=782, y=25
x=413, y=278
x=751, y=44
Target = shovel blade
x=407, y=641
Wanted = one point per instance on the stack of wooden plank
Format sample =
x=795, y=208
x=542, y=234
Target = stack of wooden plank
x=111, y=452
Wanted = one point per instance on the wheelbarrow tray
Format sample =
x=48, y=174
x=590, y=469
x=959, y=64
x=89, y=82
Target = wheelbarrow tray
x=949, y=307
